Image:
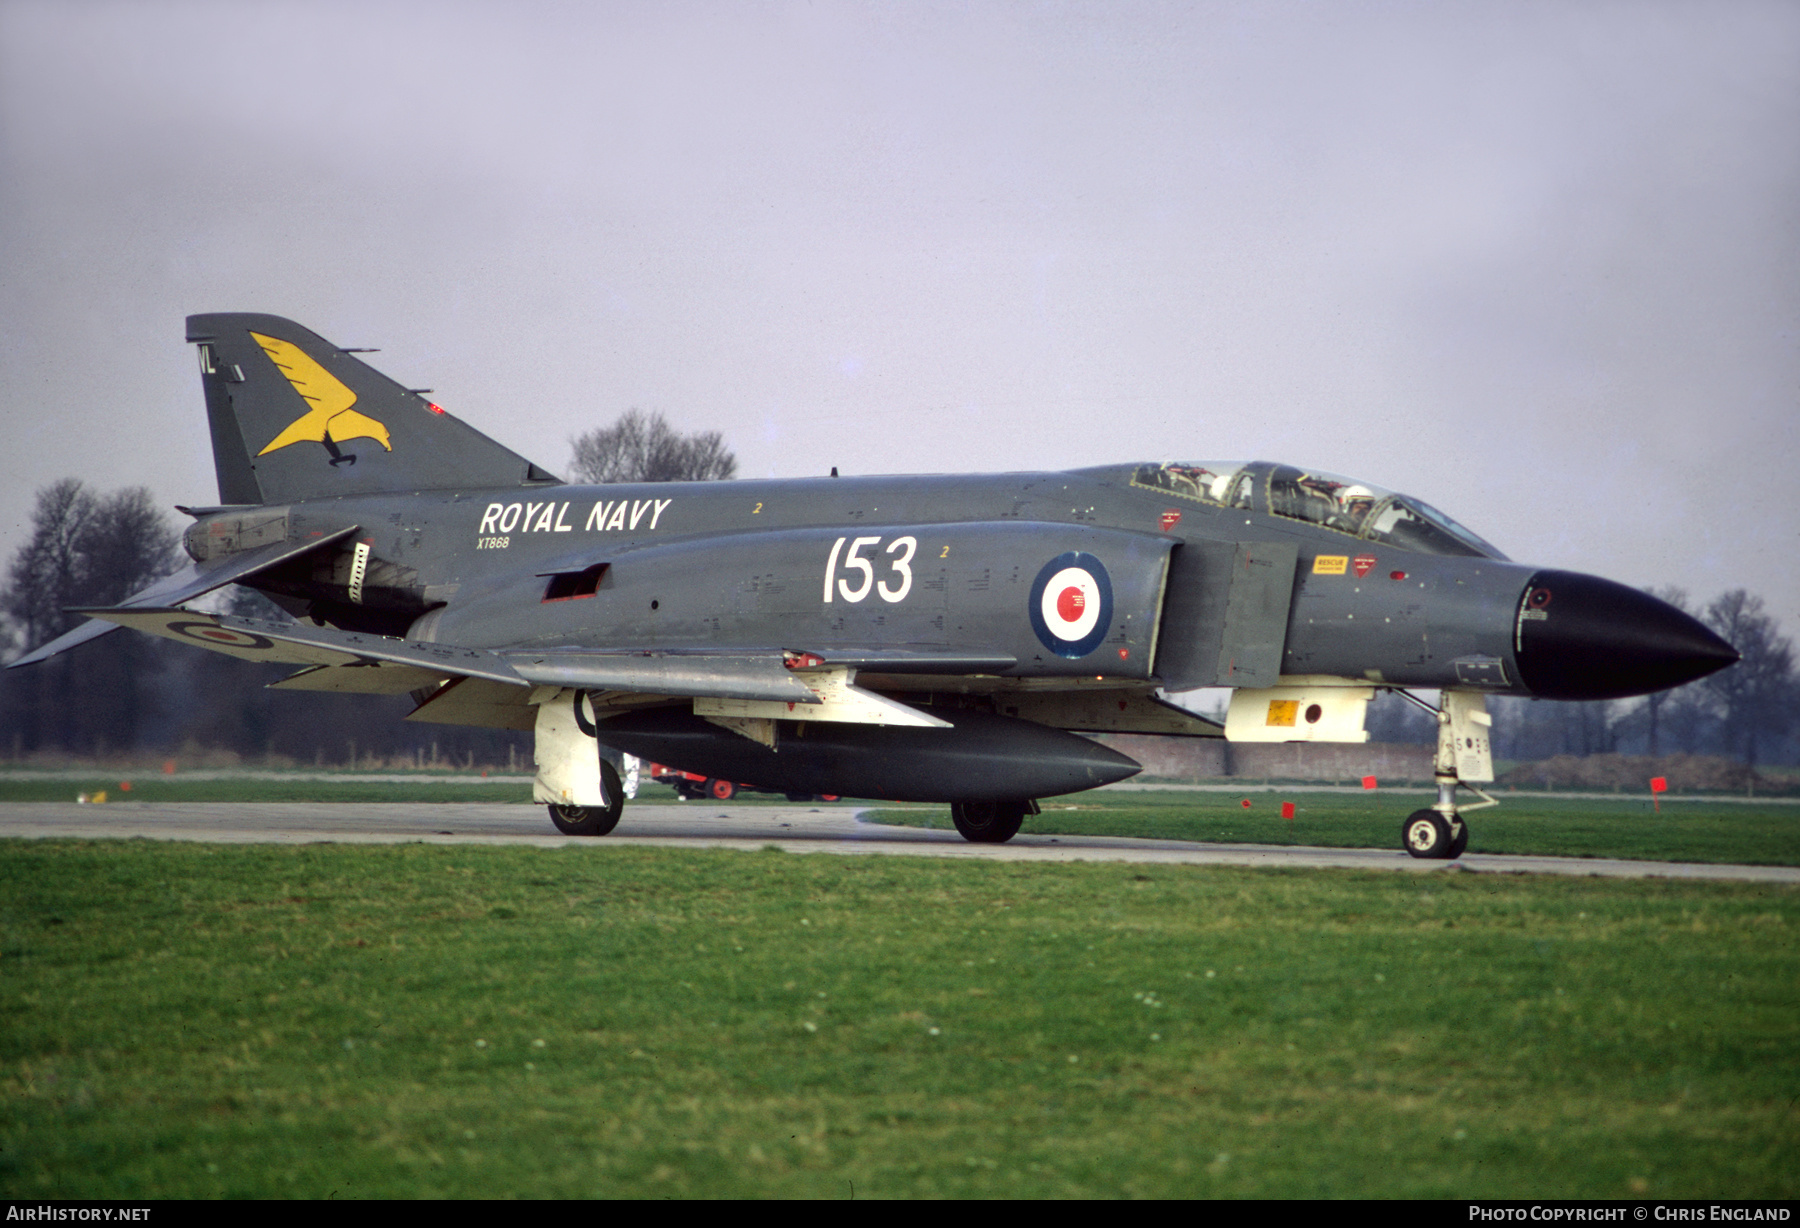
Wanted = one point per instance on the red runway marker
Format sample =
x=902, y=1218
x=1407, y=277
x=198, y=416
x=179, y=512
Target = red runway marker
x=1368, y=782
x=1287, y=810
x=1246, y=803
x=1658, y=785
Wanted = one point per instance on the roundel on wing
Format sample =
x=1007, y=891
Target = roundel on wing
x=207, y=632
x=1071, y=604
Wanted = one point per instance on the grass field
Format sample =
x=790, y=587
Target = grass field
x=196, y=1021
x=1707, y=831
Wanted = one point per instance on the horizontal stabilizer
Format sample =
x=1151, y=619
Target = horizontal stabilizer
x=62, y=643
x=298, y=644
x=194, y=580
x=714, y=675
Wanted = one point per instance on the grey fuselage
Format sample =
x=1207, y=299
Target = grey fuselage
x=744, y=564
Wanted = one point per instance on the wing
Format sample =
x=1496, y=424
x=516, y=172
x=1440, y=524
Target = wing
x=457, y=685
x=498, y=687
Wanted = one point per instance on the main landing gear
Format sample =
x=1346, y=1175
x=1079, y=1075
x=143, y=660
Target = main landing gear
x=990, y=822
x=593, y=820
x=1440, y=832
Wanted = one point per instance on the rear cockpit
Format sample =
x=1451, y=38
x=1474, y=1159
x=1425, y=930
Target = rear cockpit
x=1356, y=509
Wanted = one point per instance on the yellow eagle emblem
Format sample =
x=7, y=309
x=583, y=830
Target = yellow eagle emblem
x=330, y=421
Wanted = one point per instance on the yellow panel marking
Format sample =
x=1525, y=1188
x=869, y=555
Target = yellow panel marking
x=330, y=415
x=1283, y=712
x=1330, y=564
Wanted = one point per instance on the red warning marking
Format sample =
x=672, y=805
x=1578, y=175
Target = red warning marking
x=1070, y=603
x=1287, y=810
x=1170, y=518
x=1368, y=782
x=1659, y=784
x=1124, y=654
x=1362, y=564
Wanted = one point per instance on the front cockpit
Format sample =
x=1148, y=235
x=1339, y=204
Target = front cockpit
x=1356, y=509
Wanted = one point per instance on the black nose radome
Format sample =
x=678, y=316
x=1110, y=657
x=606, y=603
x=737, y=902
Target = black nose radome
x=1581, y=637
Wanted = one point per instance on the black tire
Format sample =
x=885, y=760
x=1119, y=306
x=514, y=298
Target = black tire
x=988, y=822
x=1460, y=841
x=592, y=820
x=1425, y=834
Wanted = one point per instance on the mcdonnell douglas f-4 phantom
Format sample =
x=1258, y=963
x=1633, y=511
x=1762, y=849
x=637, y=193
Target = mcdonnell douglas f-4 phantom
x=932, y=639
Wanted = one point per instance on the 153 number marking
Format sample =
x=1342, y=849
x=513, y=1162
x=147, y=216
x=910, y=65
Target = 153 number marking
x=851, y=560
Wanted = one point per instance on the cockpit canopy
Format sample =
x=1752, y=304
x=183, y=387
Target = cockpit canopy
x=1355, y=508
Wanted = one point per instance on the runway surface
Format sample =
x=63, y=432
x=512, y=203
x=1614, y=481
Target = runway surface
x=794, y=829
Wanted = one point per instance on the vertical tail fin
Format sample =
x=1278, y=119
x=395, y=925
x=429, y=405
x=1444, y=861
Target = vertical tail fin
x=295, y=417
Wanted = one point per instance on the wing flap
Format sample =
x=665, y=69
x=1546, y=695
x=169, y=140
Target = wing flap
x=362, y=678
x=479, y=703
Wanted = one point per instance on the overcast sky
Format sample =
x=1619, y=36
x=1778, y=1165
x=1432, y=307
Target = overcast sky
x=1538, y=264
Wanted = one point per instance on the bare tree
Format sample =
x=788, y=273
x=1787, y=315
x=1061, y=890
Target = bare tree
x=126, y=544
x=1757, y=695
x=46, y=574
x=642, y=447
x=84, y=550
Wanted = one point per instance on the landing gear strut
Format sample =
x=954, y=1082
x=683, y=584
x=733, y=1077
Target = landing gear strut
x=1463, y=758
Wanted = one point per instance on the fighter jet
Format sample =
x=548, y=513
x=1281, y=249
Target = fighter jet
x=927, y=639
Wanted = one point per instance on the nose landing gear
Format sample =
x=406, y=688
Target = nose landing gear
x=1463, y=758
